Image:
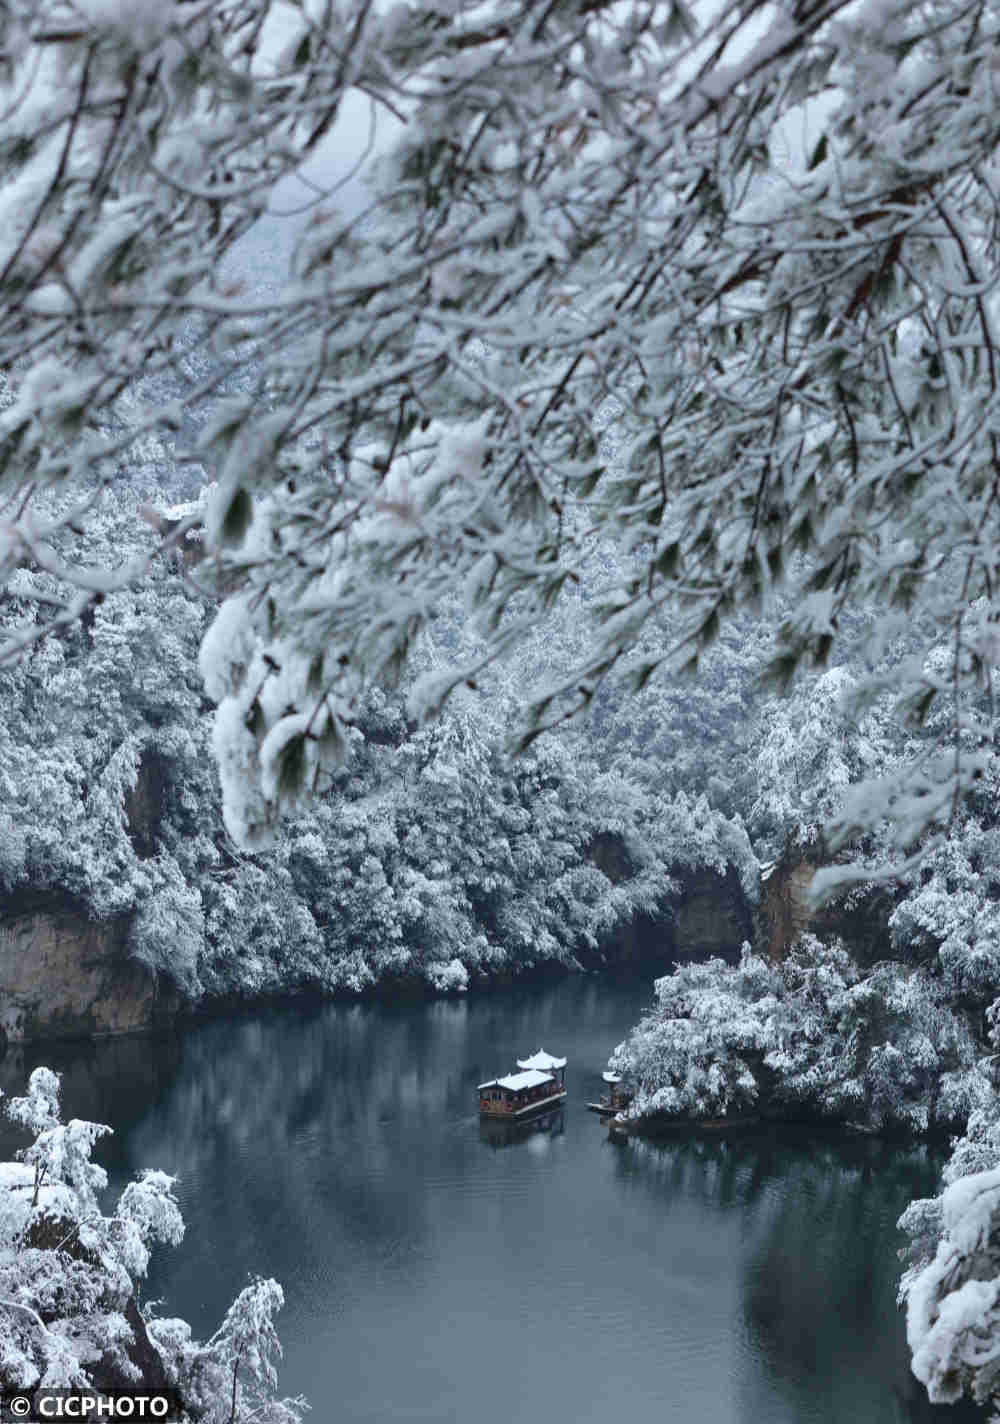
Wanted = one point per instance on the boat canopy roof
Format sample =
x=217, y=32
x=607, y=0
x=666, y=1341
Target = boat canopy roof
x=518, y=1081
x=543, y=1061
x=612, y=1077
x=532, y=1079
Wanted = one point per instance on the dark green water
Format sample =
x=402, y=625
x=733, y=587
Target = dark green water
x=435, y=1271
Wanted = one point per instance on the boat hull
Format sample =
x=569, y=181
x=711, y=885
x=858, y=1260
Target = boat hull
x=499, y=1132
x=519, y=1114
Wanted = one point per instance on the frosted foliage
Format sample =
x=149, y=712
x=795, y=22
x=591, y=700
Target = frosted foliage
x=238, y=1363
x=596, y=350
x=434, y=846
x=168, y=934
x=450, y=976
x=428, y=845
x=38, y=1111
x=68, y=1276
x=811, y=1036
x=62, y=1154
x=226, y=650
x=951, y=1286
x=978, y=1148
x=692, y=1056
x=953, y=1319
x=611, y=313
x=247, y=1337
x=147, y=1212
x=815, y=748
x=952, y=908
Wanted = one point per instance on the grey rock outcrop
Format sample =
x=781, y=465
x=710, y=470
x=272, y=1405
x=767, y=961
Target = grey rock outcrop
x=860, y=917
x=708, y=913
x=63, y=975
x=714, y=916
x=787, y=910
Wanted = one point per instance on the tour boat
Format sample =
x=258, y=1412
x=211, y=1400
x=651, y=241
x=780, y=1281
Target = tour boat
x=540, y=1084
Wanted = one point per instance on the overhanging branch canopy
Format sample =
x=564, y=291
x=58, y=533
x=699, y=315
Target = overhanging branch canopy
x=715, y=287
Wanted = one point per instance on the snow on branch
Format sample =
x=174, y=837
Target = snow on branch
x=713, y=286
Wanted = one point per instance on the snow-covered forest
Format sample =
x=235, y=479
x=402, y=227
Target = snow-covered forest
x=432, y=856
x=608, y=499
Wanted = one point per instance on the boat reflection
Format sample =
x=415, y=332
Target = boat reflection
x=497, y=1133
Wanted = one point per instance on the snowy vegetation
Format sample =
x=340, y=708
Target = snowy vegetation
x=951, y=1283
x=659, y=321
x=69, y=1315
x=756, y=244
x=432, y=856
x=810, y=1037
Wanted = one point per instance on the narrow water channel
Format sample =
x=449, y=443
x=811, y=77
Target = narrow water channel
x=436, y=1269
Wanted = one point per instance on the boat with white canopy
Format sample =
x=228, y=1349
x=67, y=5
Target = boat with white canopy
x=540, y=1084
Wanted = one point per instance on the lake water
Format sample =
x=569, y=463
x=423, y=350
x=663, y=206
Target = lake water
x=435, y=1270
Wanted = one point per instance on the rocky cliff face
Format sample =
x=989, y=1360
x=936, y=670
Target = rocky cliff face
x=63, y=975
x=144, y=803
x=787, y=912
x=710, y=916
x=860, y=919
x=714, y=916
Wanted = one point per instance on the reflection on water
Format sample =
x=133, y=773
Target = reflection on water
x=497, y=1133
x=818, y=1213
x=445, y=1268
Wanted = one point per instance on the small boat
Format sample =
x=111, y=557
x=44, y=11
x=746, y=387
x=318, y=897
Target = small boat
x=541, y=1084
x=616, y=1098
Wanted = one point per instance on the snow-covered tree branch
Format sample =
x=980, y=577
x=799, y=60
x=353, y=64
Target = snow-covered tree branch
x=759, y=242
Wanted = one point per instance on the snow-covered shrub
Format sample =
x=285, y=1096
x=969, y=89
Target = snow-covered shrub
x=168, y=932
x=448, y=978
x=695, y=1053
x=233, y=1376
x=66, y=1271
x=953, y=908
